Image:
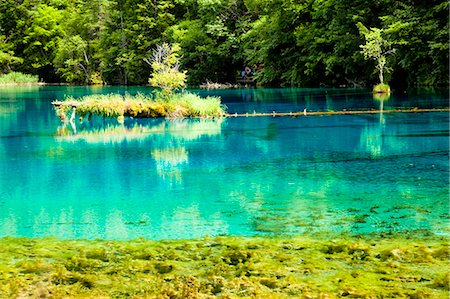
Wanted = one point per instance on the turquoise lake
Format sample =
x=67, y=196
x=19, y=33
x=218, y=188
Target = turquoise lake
x=177, y=179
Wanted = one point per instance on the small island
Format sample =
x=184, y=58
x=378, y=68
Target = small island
x=164, y=102
x=140, y=106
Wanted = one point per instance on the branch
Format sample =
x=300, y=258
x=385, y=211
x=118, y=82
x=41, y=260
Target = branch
x=147, y=61
x=392, y=51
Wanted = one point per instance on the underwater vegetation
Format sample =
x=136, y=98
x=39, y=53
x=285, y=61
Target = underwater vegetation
x=396, y=266
x=177, y=105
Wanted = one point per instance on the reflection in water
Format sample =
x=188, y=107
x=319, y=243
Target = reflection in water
x=164, y=179
x=381, y=98
x=168, y=136
x=167, y=162
x=243, y=176
x=117, y=133
x=372, y=136
x=372, y=140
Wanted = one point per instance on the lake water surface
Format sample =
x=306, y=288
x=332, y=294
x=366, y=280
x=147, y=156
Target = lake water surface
x=165, y=179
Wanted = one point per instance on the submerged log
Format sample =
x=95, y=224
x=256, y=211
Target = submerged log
x=149, y=114
x=343, y=112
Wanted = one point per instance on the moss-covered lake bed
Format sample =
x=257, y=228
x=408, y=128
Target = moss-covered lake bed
x=381, y=266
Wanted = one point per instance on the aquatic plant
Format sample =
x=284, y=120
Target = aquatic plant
x=397, y=266
x=141, y=106
x=18, y=78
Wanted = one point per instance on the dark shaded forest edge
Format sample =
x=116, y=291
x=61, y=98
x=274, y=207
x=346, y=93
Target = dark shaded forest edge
x=306, y=43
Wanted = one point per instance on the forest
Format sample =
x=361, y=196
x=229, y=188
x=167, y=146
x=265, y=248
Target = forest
x=305, y=43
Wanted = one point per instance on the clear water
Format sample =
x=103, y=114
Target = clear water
x=165, y=179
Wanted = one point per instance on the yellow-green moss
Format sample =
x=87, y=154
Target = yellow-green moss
x=226, y=267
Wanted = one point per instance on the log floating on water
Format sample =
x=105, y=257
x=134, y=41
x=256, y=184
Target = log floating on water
x=344, y=112
x=296, y=114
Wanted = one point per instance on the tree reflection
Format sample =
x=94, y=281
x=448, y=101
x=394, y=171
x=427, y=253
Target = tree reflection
x=381, y=98
x=168, y=160
x=372, y=137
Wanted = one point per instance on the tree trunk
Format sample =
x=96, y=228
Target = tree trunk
x=381, y=76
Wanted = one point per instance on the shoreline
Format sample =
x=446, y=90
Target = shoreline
x=402, y=265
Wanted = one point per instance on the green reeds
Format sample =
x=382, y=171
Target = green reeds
x=14, y=78
x=142, y=106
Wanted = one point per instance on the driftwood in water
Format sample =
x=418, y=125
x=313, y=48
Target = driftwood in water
x=344, y=112
x=282, y=114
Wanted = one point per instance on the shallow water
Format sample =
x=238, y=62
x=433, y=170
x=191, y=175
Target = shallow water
x=239, y=176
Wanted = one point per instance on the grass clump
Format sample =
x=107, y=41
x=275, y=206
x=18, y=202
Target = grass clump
x=381, y=88
x=226, y=267
x=15, y=78
x=142, y=106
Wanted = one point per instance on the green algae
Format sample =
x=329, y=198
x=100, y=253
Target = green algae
x=395, y=266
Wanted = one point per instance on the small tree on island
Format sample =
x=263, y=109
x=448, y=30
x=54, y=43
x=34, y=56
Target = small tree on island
x=166, y=69
x=377, y=48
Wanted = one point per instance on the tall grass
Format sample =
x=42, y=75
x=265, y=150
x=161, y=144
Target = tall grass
x=142, y=106
x=18, y=78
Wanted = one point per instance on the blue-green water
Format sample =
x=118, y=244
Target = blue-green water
x=239, y=176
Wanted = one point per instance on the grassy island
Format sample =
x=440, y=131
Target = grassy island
x=381, y=89
x=164, y=102
x=226, y=267
x=142, y=106
x=16, y=78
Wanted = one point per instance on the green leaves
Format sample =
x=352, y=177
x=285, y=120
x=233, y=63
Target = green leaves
x=166, y=74
x=43, y=35
x=7, y=58
x=301, y=43
x=72, y=60
x=377, y=47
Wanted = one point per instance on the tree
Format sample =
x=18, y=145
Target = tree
x=376, y=47
x=42, y=38
x=296, y=43
x=7, y=58
x=166, y=68
x=72, y=60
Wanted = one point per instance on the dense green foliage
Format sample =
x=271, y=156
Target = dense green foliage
x=177, y=105
x=226, y=267
x=299, y=43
